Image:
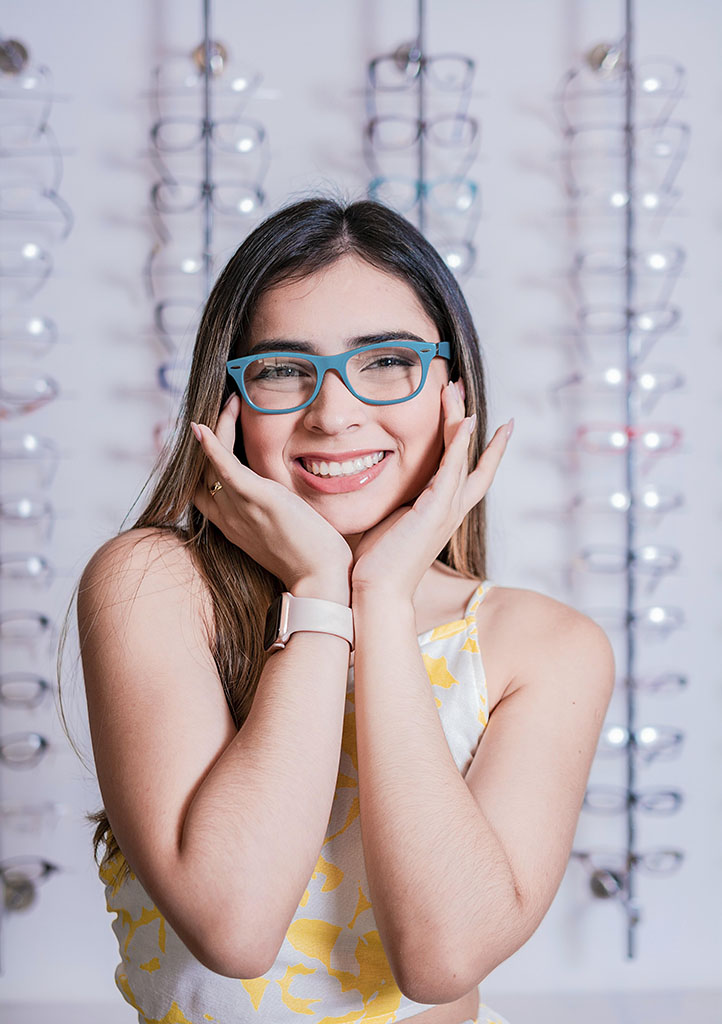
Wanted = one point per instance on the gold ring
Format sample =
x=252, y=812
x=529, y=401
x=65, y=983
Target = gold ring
x=215, y=488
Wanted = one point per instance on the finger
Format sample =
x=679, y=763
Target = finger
x=453, y=407
x=445, y=487
x=223, y=464
x=479, y=480
x=226, y=426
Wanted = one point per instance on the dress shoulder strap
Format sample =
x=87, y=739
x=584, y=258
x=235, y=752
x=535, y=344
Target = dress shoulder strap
x=477, y=597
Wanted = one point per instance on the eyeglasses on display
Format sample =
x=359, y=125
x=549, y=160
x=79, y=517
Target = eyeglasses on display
x=613, y=438
x=23, y=749
x=36, y=334
x=32, y=451
x=653, y=499
x=650, y=385
x=175, y=319
x=23, y=689
x=651, y=203
x=24, y=268
x=173, y=377
x=459, y=255
x=656, y=260
x=652, y=558
x=383, y=373
x=603, y=799
x=231, y=197
x=24, y=627
x=23, y=392
x=449, y=194
x=449, y=72
x=598, y=273
x=30, y=568
x=662, y=684
x=448, y=131
x=32, y=817
x=616, y=320
x=608, y=870
x=649, y=741
x=596, y=152
x=20, y=877
x=34, y=155
x=654, y=620
x=594, y=91
x=176, y=134
x=24, y=510
x=184, y=78
x=23, y=203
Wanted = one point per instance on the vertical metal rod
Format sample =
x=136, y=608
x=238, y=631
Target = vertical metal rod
x=207, y=185
x=421, y=150
x=630, y=459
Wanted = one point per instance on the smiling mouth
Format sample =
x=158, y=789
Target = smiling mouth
x=340, y=481
x=351, y=467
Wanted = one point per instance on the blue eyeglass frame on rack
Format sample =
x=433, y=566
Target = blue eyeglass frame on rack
x=427, y=351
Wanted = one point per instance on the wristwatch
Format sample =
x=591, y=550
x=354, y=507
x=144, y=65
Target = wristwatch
x=289, y=614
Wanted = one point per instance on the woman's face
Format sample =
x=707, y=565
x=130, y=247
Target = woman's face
x=349, y=299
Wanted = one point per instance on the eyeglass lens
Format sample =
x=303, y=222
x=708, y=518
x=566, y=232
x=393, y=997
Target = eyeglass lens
x=279, y=382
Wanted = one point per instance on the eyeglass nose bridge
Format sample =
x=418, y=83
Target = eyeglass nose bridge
x=338, y=366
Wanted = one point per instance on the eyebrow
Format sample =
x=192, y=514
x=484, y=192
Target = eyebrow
x=285, y=345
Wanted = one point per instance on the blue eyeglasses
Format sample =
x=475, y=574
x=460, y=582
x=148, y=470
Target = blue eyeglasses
x=384, y=373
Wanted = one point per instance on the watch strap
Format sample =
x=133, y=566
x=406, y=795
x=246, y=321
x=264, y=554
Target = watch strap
x=313, y=615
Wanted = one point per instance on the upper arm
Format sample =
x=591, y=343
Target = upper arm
x=530, y=770
x=157, y=712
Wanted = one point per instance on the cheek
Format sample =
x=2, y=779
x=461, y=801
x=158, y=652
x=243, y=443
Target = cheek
x=263, y=441
x=423, y=429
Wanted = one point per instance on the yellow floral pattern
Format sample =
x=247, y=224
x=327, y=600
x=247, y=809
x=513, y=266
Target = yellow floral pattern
x=332, y=967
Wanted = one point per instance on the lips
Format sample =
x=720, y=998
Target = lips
x=340, y=484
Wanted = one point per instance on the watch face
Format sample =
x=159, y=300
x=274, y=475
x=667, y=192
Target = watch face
x=273, y=624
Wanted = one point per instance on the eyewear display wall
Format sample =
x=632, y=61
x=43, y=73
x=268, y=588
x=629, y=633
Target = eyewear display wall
x=34, y=219
x=620, y=162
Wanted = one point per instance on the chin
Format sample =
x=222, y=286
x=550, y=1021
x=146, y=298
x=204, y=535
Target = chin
x=351, y=524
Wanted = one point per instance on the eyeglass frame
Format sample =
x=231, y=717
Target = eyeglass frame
x=423, y=188
x=420, y=63
x=426, y=350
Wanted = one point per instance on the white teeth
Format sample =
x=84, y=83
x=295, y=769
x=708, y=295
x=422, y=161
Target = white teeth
x=342, y=468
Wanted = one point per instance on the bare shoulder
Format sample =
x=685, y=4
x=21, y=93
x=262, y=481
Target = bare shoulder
x=147, y=565
x=526, y=635
x=144, y=560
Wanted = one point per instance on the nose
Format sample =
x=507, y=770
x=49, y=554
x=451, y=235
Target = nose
x=334, y=409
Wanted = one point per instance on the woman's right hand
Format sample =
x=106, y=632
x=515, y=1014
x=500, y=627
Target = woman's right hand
x=273, y=525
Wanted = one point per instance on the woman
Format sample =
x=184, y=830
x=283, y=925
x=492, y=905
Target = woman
x=292, y=826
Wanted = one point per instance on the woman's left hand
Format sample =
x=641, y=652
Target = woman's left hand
x=396, y=553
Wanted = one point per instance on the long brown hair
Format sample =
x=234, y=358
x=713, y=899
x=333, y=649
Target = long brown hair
x=295, y=242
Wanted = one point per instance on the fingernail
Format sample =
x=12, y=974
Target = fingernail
x=196, y=430
x=228, y=401
x=471, y=423
x=461, y=389
x=509, y=428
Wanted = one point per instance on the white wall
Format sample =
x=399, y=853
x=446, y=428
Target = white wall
x=312, y=55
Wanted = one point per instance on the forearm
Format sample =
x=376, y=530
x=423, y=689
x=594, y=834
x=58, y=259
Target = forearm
x=437, y=873
x=256, y=825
